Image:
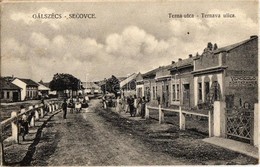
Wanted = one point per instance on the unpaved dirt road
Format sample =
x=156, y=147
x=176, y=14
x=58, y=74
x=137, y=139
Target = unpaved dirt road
x=87, y=139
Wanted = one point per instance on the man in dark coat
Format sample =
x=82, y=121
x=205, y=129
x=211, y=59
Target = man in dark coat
x=131, y=106
x=64, y=108
x=143, y=103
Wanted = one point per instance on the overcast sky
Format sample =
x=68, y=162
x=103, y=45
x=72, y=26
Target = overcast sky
x=123, y=38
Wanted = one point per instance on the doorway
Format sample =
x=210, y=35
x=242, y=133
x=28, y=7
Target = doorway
x=186, y=95
x=15, y=96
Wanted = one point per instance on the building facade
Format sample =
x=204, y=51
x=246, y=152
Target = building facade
x=29, y=88
x=9, y=92
x=182, y=83
x=228, y=74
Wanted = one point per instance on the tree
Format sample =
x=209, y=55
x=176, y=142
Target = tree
x=111, y=85
x=215, y=46
x=61, y=82
x=210, y=46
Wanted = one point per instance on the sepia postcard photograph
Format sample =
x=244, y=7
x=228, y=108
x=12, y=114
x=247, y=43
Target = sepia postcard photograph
x=129, y=83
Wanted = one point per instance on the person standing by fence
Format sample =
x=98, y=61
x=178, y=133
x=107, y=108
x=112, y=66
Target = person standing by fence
x=64, y=108
x=24, y=125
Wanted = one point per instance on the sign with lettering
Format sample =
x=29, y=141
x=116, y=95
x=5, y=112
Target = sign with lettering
x=242, y=81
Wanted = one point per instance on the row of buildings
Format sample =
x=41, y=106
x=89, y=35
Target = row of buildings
x=15, y=89
x=20, y=89
x=228, y=74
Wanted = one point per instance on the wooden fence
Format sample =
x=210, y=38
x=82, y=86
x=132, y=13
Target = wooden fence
x=40, y=110
x=182, y=115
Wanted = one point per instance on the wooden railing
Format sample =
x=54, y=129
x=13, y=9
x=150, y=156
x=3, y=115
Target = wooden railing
x=40, y=110
x=182, y=114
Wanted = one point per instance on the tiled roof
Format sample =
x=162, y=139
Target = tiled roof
x=184, y=62
x=128, y=79
x=29, y=82
x=42, y=87
x=121, y=78
x=47, y=84
x=152, y=72
x=230, y=47
x=5, y=85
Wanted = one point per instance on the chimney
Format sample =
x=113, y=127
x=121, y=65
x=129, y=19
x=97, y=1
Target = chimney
x=190, y=55
x=173, y=62
x=180, y=59
x=253, y=36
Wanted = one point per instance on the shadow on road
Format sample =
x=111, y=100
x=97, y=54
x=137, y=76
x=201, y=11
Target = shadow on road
x=26, y=161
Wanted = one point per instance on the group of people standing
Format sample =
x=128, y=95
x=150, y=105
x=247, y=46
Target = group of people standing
x=75, y=104
x=135, y=106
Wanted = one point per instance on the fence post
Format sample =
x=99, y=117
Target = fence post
x=219, y=119
x=37, y=117
x=210, y=122
x=2, y=158
x=256, y=120
x=161, y=115
x=146, y=112
x=42, y=112
x=105, y=105
x=53, y=107
x=32, y=123
x=15, y=129
x=50, y=109
x=23, y=110
x=182, y=119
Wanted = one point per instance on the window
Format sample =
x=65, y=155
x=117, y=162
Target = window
x=139, y=92
x=216, y=89
x=7, y=95
x=206, y=91
x=177, y=92
x=173, y=93
x=2, y=95
x=154, y=93
x=200, y=90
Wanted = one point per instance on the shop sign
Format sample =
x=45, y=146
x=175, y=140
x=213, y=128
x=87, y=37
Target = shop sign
x=242, y=81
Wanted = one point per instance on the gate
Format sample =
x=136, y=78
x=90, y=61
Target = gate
x=239, y=124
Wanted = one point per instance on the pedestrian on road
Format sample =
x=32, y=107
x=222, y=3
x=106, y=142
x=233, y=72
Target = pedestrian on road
x=71, y=105
x=127, y=104
x=104, y=99
x=131, y=106
x=118, y=104
x=143, y=104
x=136, y=112
x=139, y=104
x=64, y=108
